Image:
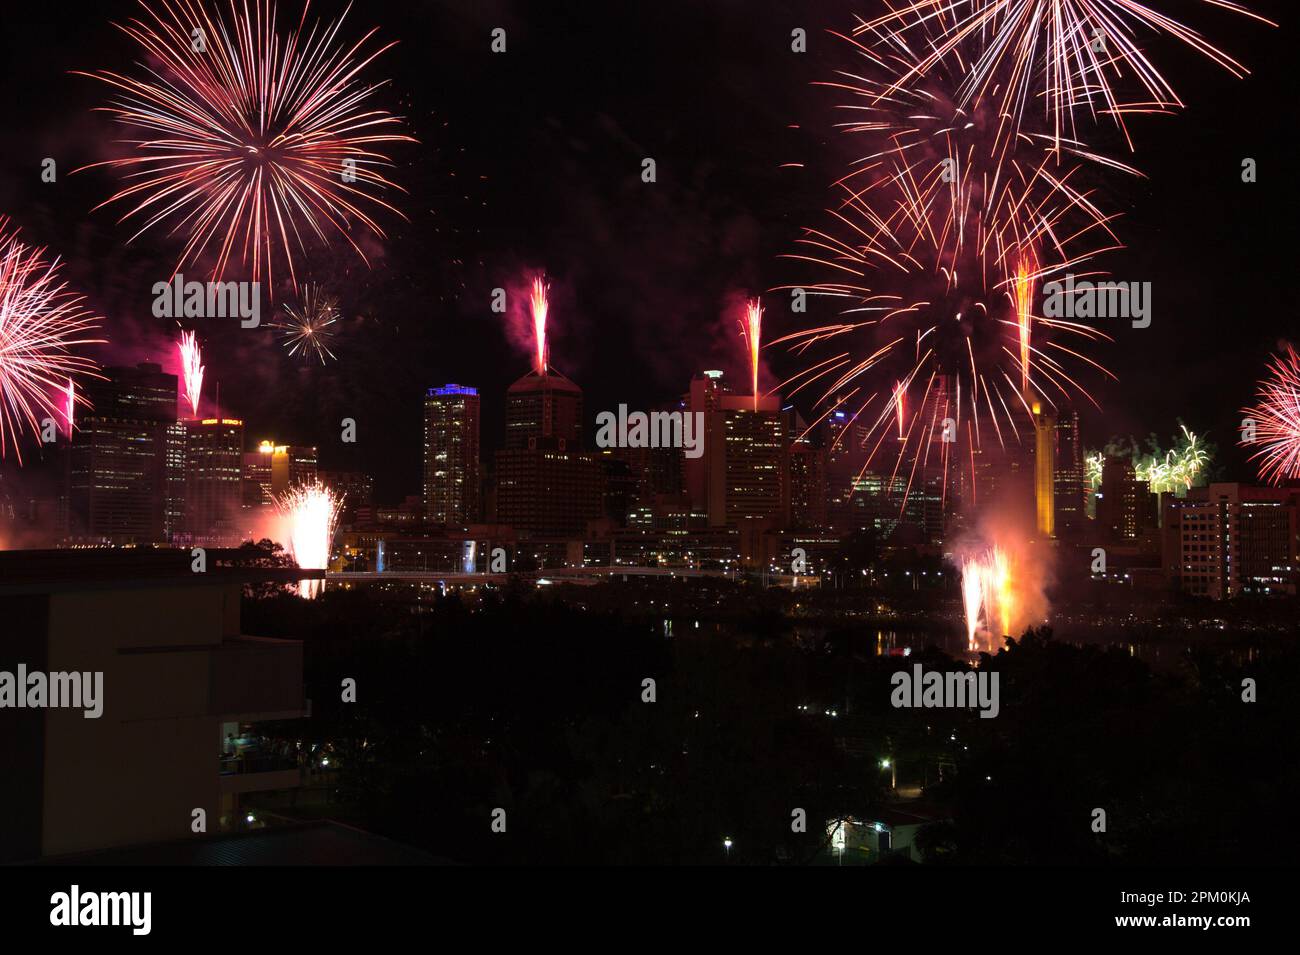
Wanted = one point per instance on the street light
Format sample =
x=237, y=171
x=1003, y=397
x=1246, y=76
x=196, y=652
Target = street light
x=726, y=844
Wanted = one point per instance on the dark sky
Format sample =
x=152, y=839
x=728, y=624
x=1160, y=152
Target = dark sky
x=531, y=160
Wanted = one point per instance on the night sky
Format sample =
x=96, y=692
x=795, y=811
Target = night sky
x=531, y=160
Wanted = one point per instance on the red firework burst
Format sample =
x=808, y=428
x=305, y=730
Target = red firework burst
x=1059, y=57
x=252, y=137
x=40, y=323
x=1275, y=418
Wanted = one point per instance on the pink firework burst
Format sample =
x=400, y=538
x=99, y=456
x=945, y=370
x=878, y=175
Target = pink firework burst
x=41, y=322
x=251, y=138
x=1275, y=419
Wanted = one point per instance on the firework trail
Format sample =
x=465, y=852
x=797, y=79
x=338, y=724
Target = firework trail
x=310, y=513
x=540, y=306
x=1062, y=57
x=40, y=323
x=191, y=370
x=1276, y=420
x=307, y=331
x=972, y=598
x=900, y=405
x=253, y=141
x=1023, y=296
x=751, y=333
x=69, y=408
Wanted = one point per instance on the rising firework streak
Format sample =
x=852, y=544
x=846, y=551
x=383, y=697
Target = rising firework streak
x=191, y=370
x=751, y=332
x=539, y=306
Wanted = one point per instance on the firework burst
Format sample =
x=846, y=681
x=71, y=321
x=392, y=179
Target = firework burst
x=250, y=138
x=1275, y=419
x=40, y=323
x=945, y=229
x=1060, y=57
x=308, y=327
x=310, y=513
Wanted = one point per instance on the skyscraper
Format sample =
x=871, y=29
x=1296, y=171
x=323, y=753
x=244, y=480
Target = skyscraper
x=118, y=471
x=1069, y=478
x=213, y=479
x=546, y=485
x=451, y=455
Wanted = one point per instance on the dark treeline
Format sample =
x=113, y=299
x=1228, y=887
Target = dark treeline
x=532, y=702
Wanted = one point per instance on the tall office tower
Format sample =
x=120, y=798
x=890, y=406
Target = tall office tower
x=1045, y=470
x=546, y=485
x=544, y=407
x=214, y=450
x=1125, y=505
x=705, y=395
x=1229, y=539
x=1068, y=478
x=806, y=484
x=451, y=451
x=174, y=480
x=117, y=489
x=745, y=449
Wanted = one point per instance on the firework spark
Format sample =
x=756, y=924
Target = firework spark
x=191, y=370
x=1272, y=424
x=251, y=138
x=1175, y=472
x=310, y=513
x=1066, y=56
x=943, y=232
x=40, y=323
x=539, y=306
x=307, y=330
x=751, y=333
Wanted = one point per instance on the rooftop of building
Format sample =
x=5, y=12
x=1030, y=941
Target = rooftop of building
x=550, y=380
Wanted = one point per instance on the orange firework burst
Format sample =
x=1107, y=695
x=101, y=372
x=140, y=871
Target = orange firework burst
x=251, y=137
x=1273, y=423
x=40, y=323
x=751, y=333
x=1065, y=56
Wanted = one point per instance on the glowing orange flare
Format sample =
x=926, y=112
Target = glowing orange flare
x=540, y=307
x=751, y=330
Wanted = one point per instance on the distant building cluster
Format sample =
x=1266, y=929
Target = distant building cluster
x=764, y=491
